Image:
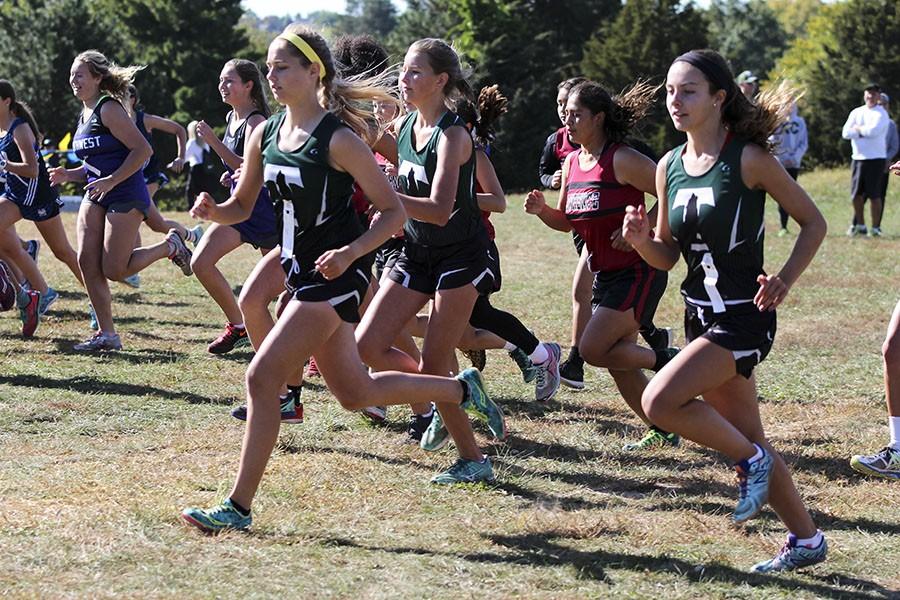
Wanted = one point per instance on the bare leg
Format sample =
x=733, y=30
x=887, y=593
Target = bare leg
x=858, y=216
x=218, y=241
x=581, y=297
x=54, y=234
x=9, y=242
x=891, y=352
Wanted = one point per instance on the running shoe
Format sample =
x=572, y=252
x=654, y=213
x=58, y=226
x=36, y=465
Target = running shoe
x=133, y=281
x=179, y=252
x=783, y=232
x=29, y=311
x=571, y=373
x=480, y=406
x=92, y=317
x=466, y=471
x=194, y=234
x=46, y=300
x=885, y=463
x=32, y=247
x=793, y=556
x=754, y=483
x=436, y=435
x=654, y=438
x=291, y=409
x=529, y=371
x=875, y=232
x=659, y=338
x=418, y=424
x=856, y=230
x=218, y=518
x=233, y=337
x=478, y=358
x=548, y=377
x=312, y=369
x=100, y=342
x=664, y=357
x=376, y=414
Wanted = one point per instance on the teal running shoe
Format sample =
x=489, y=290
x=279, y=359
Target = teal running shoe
x=291, y=409
x=436, y=435
x=46, y=300
x=793, y=556
x=529, y=371
x=218, y=518
x=654, y=438
x=754, y=481
x=885, y=464
x=92, y=317
x=480, y=406
x=194, y=234
x=466, y=471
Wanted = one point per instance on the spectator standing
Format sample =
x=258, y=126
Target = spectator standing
x=866, y=128
x=892, y=141
x=789, y=144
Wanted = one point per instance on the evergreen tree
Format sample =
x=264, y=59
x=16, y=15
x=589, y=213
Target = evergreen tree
x=641, y=43
x=747, y=34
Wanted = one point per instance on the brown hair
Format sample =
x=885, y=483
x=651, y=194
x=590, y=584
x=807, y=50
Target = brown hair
x=247, y=70
x=568, y=84
x=114, y=80
x=19, y=109
x=349, y=100
x=622, y=111
x=442, y=58
x=752, y=120
x=491, y=106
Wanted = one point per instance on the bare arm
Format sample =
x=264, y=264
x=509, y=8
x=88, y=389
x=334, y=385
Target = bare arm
x=555, y=218
x=171, y=127
x=492, y=199
x=387, y=147
x=660, y=250
x=122, y=127
x=762, y=171
x=28, y=168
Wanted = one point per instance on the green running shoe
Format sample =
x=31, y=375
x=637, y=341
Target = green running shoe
x=885, y=464
x=218, y=518
x=480, y=406
x=654, y=438
x=466, y=471
x=793, y=556
x=529, y=371
x=436, y=435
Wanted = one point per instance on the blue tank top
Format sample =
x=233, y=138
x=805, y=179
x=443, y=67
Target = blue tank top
x=151, y=169
x=263, y=215
x=26, y=191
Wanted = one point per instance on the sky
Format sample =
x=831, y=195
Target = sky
x=291, y=7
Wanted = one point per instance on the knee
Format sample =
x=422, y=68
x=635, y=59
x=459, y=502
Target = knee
x=115, y=272
x=654, y=404
x=370, y=349
x=202, y=263
x=590, y=352
x=89, y=263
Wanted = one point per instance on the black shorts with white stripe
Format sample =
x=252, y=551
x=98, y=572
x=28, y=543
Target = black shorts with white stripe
x=743, y=329
x=427, y=269
x=344, y=294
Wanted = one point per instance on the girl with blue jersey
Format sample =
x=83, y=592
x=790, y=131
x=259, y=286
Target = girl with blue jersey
x=308, y=157
x=711, y=198
x=445, y=248
x=240, y=84
x=116, y=200
x=28, y=195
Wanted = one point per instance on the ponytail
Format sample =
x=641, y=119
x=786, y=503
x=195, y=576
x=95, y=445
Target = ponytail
x=491, y=105
x=114, y=80
x=623, y=111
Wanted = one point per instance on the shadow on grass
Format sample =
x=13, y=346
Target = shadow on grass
x=93, y=385
x=834, y=468
x=545, y=550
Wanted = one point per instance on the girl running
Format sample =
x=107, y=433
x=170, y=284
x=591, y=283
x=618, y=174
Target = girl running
x=240, y=85
x=116, y=200
x=598, y=181
x=322, y=250
x=28, y=195
x=712, y=191
x=445, y=245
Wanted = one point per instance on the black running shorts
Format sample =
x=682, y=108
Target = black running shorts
x=427, y=269
x=744, y=330
x=344, y=294
x=638, y=287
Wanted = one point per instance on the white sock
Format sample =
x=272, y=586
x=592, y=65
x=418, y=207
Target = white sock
x=238, y=325
x=509, y=347
x=540, y=355
x=895, y=432
x=812, y=542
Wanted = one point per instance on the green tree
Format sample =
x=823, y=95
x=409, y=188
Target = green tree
x=747, y=34
x=794, y=15
x=641, y=43
x=849, y=44
x=375, y=17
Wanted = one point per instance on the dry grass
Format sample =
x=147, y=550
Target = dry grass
x=98, y=455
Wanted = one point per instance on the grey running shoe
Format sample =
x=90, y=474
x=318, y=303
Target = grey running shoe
x=885, y=464
x=100, y=342
x=793, y=556
x=547, y=380
x=179, y=252
x=466, y=471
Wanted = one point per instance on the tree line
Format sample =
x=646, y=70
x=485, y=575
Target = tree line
x=526, y=46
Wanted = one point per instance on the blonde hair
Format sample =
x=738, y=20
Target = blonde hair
x=442, y=58
x=114, y=80
x=351, y=99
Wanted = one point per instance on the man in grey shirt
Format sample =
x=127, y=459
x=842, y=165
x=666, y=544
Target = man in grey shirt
x=892, y=141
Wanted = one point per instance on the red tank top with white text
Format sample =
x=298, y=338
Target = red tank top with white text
x=595, y=206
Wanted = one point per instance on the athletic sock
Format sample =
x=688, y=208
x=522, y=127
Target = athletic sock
x=812, y=542
x=428, y=414
x=243, y=511
x=238, y=325
x=509, y=347
x=540, y=355
x=895, y=432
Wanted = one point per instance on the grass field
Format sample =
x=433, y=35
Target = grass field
x=98, y=454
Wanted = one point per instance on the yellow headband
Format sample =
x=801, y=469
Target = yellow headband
x=306, y=49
